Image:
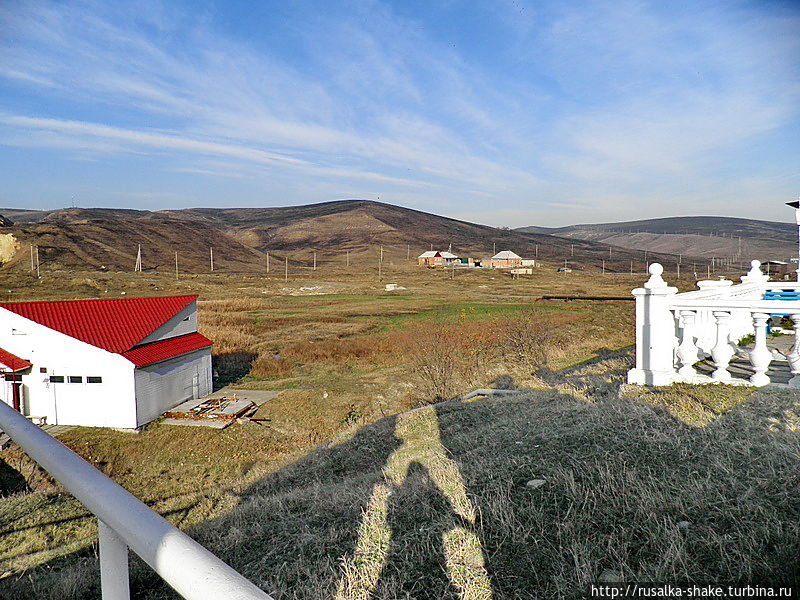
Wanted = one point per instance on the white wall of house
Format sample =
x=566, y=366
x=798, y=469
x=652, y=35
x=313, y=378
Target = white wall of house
x=167, y=383
x=182, y=323
x=110, y=403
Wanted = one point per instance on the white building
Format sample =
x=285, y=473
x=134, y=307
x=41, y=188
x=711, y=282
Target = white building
x=102, y=363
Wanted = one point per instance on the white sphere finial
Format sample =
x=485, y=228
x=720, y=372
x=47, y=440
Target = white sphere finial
x=755, y=263
x=655, y=281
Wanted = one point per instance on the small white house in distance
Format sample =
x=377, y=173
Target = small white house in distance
x=102, y=363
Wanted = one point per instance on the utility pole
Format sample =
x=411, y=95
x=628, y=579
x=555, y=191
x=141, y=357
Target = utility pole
x=138, y=266
x=537, y=251
x=315, y=260
x=631, y=267
x=380, y=265
x=212, y=258
x=679, y=270
x=572, y=249
x=494, y=248
x=33, y=265
x=176, y=266
x=38, y=276
x=267, y=262
x=604, y=267
x=408, y=251
x=285, y=268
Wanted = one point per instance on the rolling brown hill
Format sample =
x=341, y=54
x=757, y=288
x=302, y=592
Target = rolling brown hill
x=722, y=237
x=108, y=238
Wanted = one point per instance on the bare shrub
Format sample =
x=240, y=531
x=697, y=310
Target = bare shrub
x=443, y=359
x=527, y=341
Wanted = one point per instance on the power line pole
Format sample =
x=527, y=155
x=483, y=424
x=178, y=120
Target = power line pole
x=176, y=266
x=380, y=265
x=267, y=262
x=138, y=266
x=212, y=258
x=38, y=276
x=408, y=251
x=315, y=260
x=33, y=265
x=285, y=268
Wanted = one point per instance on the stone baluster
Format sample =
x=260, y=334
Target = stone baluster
x=760, y=356
x=722, y=351
x=794, y=355
x=687, y=350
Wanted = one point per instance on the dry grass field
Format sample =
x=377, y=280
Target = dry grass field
x=347, y=353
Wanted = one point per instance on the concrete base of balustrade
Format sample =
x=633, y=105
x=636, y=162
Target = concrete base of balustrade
x=648, y=377
x=739, y=368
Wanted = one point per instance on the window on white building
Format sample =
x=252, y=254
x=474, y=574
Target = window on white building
x=75, y=379
x=91, y=379
x=56, y=379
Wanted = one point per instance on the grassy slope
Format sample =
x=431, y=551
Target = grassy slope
x=619, y=478
x=193, y=476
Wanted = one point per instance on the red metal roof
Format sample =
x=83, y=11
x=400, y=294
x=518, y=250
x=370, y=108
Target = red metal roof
x=115, y=325
x=9, y=362
x=164, y=349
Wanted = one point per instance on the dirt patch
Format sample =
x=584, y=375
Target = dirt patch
x=9, y=245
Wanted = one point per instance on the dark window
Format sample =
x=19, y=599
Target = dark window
x=56, y=379
x=75, y=379
x=91, y=379
x=42, y=369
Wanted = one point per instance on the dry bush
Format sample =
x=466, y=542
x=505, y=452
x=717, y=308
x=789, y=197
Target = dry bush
x=443, y=359
x=527, y=341
x=266, y=366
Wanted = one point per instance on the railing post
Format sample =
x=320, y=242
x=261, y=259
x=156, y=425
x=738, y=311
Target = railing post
x=687, y=351
x=722, y=351
x=760, y=356
x=655, y=332
x=794, y=355
x=114, y=581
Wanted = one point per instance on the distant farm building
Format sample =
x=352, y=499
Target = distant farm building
x=502, y=260
x=436, y=258
x=102, y=363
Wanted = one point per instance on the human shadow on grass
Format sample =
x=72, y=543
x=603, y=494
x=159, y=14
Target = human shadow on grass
x=629, y=492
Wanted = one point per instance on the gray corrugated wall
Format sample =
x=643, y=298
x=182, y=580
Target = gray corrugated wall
x=166, y=384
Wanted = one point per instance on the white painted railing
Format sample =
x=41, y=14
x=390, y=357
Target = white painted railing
x=126, y=522
x=674, y=331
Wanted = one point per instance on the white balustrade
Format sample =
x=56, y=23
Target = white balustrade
x=687, y=351
x=722, y=351
x=674, y=331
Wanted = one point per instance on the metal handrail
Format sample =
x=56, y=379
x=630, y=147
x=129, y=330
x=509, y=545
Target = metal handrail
x=125, y=521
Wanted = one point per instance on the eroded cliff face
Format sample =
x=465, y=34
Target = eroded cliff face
x=9, y=245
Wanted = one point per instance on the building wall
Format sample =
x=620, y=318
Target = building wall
x=182, y=323
x=110, y=403
x=165, y=384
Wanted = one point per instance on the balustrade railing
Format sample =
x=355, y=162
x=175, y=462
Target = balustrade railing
x=674, y=331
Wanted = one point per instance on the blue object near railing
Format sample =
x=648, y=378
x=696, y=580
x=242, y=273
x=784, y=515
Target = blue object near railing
x=780, y=295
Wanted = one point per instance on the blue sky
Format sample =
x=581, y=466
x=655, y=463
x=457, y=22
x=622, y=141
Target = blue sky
x=501, y=112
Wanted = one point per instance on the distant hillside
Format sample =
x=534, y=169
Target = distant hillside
x=241, y=237
x=690, y=236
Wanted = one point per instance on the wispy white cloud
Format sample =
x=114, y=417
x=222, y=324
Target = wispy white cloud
x=578, y=114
